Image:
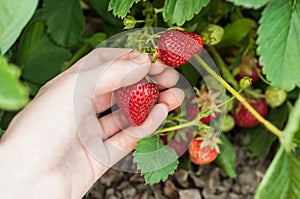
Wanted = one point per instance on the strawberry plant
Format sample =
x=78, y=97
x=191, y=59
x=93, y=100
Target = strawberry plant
x=255, y=45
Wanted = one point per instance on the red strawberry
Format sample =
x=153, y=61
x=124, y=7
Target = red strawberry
x=202, y=154
x=243, y=118
x=175, y=47
x=137, y=100
x=248, y=68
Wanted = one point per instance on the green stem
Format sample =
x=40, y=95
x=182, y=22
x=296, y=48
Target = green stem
x=262, y=78
x=139, y=21
x=265, y=122
x=194, y=122
x=229, y=100
x=223, y=68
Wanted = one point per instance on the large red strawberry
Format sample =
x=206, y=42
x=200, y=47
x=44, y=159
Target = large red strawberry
x=175, y=47
x=137, y=100
x=243, y=118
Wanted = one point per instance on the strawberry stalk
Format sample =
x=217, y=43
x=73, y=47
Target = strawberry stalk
x=265, y=122
x=194, y=122
x=223, y=68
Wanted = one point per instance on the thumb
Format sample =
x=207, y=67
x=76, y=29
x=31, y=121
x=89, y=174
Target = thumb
x=113, y=74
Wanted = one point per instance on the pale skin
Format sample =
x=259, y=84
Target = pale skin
x=41, y=153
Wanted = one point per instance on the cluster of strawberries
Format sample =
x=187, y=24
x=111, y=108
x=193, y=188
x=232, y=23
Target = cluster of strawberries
x=175, y=47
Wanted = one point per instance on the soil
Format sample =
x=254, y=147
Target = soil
x=198, y=182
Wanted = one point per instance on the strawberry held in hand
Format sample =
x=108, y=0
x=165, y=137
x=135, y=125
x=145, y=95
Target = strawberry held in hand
x=243, y=118
x=136, y=100
x=175, y=47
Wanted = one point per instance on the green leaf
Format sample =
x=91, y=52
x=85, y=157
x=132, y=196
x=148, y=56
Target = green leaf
x=33, y=87
x=6, y=118
x=250, y=4
x=1, y=132
x=258, y=139
x=278, y=43
x=155, y=160
x=13, y=94
x=178, y=12
x=282, y=179
x=121, y=8
x=96, y=39
x=14, y=15
x=111, y=24
x=227, y=157
x=41, y=58
x=190, y=73
x=65, y=20
x=236, y=31
x=292, y=127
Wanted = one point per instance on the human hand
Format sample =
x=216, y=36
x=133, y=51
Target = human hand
x=56, y=147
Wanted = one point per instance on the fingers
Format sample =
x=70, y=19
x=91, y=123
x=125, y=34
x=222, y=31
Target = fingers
x=111, y=76
x=113, y=123
x=165, y=79
x=123, y=142
x=173, y=98
x=116, y=121
x=157, y=68
x=99, y=56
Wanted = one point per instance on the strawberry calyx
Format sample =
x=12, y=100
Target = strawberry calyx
x=205, y=104
x=204, y=148
x=209, y=138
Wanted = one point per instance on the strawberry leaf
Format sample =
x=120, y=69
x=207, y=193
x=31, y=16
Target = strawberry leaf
x=121, y=8
x=282, y=179
x=227, y=157
x=278, y=43
x=249, y=4
x=13, y=94
x=41, y=58
x=155, y=160
x=178, y=12
x=65, y=20
x=292, y=128
x=236, y=31
x=111, y=24
x=14, y=16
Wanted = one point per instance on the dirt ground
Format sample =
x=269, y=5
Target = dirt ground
x=199, y=182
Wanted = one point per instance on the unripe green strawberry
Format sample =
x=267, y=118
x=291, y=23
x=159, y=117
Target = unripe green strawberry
x=212, y=34
x=228, y=123
x=275, y=96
